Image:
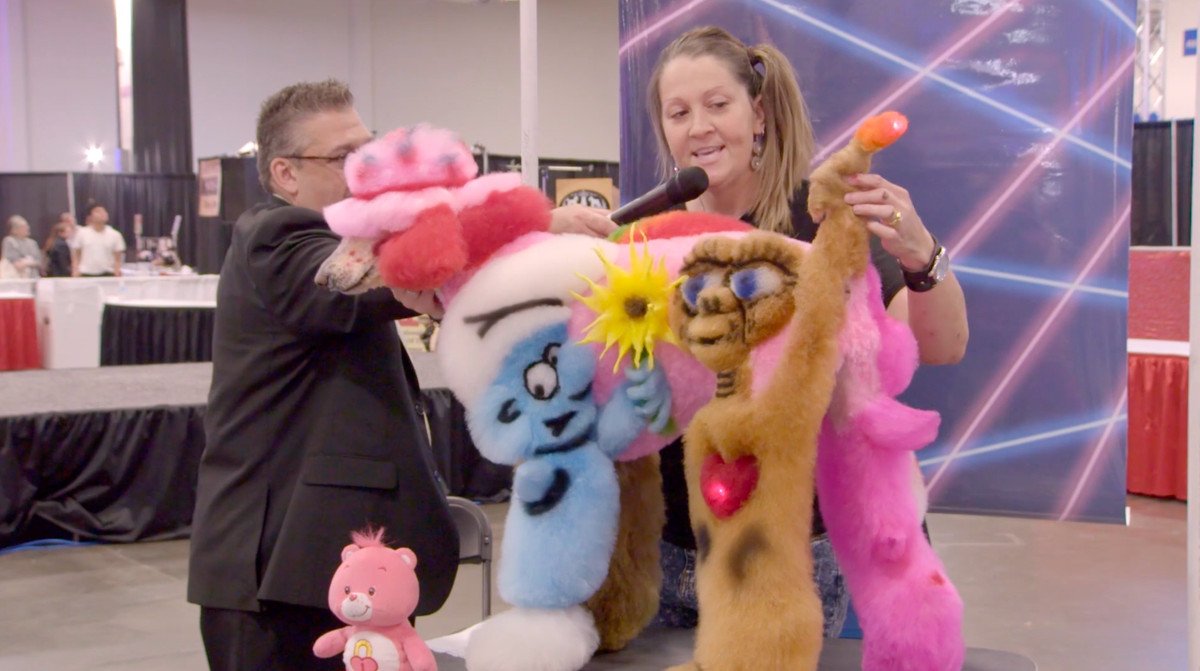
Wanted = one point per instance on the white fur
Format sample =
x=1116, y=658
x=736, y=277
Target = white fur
x=357, y=609
x=525, y=639
x=549, y=268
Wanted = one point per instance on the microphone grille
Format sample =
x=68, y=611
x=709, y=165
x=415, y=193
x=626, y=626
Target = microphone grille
x=688, y=184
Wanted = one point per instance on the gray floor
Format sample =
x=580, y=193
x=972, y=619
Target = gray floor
x=1070, y=596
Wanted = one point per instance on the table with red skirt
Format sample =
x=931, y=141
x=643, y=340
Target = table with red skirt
x=18, y=334
x=1158, y=372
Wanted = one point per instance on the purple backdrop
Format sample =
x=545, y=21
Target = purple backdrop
x=1018, y=159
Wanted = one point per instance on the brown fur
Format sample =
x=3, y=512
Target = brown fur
x=759, y=608
x=628, y=599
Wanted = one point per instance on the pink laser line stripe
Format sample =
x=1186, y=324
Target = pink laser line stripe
x=1096, y=452
x=842, y=137
x=1118, y=226
x=657, y=25
x=959, y=246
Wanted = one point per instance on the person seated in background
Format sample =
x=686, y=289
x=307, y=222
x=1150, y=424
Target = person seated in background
x=21, y=250
x=97, y=248
x=57, y=249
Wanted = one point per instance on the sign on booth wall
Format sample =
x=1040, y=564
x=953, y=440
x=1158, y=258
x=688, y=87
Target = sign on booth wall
x=210, y=187
x=1189, y=42
x=596, y=192
x=1018, y=158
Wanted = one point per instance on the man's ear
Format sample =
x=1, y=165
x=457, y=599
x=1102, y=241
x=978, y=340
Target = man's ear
x=283, y=177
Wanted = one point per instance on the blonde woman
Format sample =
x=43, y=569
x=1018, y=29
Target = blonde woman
x=737, y=111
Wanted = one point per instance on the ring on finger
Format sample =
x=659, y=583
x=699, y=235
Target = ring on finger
x=895, y=219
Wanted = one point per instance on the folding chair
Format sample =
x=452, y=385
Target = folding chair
x=474, y=542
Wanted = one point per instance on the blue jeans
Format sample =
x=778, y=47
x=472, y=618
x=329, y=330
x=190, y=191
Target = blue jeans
x=677, y=600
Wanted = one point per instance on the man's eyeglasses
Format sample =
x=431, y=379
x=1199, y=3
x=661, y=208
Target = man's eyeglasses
x=338, y=161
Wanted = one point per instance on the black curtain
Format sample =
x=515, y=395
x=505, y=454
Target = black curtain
x=1184, y=137
x=1152, y=174
x=39, y=197
x=162, y=117
x=240, y=191
x=158, y=198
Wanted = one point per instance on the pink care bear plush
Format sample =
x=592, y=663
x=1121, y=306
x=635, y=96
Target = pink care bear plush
x=375, y=591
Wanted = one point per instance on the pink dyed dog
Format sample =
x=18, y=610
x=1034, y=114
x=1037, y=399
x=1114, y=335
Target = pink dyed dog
x=374, y=592
x=910, y=612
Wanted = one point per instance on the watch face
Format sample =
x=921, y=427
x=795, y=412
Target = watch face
x=941, y=266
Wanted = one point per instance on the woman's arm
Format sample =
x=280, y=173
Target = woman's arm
x=937, y=317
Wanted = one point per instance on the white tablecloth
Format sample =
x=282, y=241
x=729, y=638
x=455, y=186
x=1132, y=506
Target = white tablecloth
x=17, y=288
x=69, y=310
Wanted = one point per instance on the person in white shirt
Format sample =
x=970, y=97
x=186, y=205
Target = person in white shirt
x=97, y=248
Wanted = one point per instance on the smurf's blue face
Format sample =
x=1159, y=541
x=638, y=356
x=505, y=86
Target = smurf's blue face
x=540, y=402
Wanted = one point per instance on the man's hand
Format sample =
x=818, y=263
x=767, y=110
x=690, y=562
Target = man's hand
x=422, y=302
x=581, y=220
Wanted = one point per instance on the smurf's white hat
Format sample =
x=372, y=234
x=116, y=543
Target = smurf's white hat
x=525, y=287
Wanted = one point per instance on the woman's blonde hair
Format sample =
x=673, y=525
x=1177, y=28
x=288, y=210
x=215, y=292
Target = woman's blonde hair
x=788, y=141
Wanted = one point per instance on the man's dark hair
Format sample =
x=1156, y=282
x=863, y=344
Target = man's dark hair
x=282, y=112
x=91, y=207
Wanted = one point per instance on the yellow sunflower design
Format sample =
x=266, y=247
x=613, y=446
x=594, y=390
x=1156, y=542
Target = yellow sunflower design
x=631, y=306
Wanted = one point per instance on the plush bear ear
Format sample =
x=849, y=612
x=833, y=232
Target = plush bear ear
x=408, y=556
x=349, y=550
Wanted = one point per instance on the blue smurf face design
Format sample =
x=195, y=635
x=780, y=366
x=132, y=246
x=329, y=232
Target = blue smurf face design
x=540, y=401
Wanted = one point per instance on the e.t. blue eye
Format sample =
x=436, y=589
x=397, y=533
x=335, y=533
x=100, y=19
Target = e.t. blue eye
x=693, y=286
x=754, y=283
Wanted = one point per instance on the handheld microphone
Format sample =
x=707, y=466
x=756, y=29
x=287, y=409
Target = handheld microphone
x=685, y=185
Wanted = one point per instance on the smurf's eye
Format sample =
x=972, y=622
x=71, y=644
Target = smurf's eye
x=550, y=355
x=754, y=283
x=347, y=589
x=371, y=592
x=541, y=381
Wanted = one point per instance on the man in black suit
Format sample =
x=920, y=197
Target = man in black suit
x=313, y=428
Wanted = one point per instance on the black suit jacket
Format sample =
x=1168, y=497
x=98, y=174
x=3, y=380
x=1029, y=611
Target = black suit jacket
x=312, y=429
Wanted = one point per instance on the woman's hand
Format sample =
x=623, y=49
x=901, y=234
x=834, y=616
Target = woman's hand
x=904, y=236
x=581, y=220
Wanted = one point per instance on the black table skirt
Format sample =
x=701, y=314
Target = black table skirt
x=116, y=475
x=111, y=454
x=131, y=334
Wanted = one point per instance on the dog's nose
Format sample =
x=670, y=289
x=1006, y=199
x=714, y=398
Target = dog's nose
x=559, y=424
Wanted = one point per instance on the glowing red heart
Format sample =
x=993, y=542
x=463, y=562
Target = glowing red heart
x=363, y=664
x=726, y=485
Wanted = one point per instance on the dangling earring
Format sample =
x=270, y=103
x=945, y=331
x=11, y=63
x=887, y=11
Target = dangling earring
x=756, y=151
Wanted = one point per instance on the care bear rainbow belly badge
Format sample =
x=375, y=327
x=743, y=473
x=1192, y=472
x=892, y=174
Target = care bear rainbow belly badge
x=559, y=349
